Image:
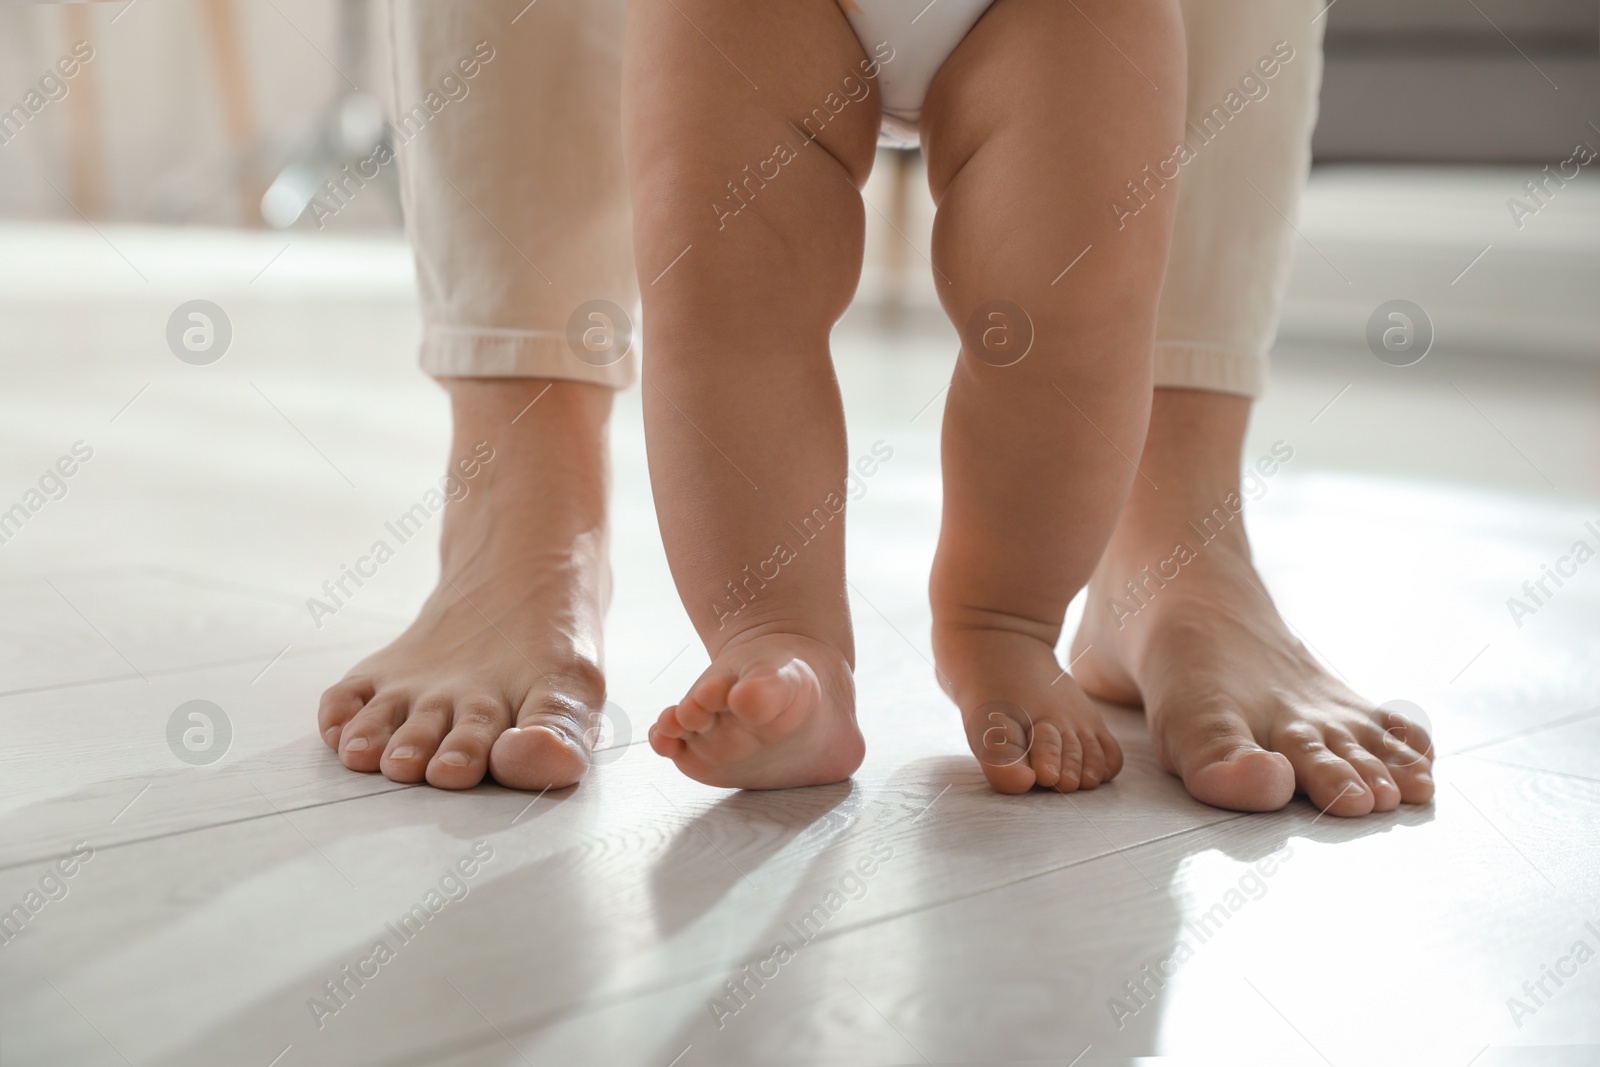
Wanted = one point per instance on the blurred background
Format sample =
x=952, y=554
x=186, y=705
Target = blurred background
x=190, y=110
x=231, y=114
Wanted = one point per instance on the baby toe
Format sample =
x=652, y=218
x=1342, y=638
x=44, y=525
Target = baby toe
x=1071, y=762
x=1094, y=761
x=765, y=693
x=1045, y=755
x=999, y=734
x=693, y=716
x=1112, y=750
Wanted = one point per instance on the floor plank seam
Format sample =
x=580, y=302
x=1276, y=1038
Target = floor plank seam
x=1535, y=770
x=9, y=865
x=1568, y=720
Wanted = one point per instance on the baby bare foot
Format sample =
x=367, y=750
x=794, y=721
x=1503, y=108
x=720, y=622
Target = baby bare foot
x=771, y=712
x=1026, y=720
x=500, y=673
x=1236, y=706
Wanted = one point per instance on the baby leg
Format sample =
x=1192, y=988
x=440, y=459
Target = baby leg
x=1032, y=130
x=749, y=130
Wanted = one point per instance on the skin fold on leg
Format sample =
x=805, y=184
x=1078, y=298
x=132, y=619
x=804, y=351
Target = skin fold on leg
x=1032, y=129
x=749, y=131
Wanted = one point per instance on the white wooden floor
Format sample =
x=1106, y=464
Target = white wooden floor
x=608, y=920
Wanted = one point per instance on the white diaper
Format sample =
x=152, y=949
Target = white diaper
x=919, y=36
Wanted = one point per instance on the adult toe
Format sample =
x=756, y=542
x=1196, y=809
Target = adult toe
x=463, y=756
x=1326, y=778
x=416, y=740
x=549, y=746
x=339, y=704
x=363, y=738
x=1401, y=733
x=1406, y=749
x=1373, y=771
x=1412, y=771
x=1221, y=764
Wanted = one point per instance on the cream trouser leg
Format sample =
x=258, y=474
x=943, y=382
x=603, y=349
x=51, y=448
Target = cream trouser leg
x=1232, y=239
x=518, y=212
x=515, y=195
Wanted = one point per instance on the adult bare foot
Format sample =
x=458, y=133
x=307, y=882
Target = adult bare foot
x=772, y=711
x=1236, y=705
x=501, y=671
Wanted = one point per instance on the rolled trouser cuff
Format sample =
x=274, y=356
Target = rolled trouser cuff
x=462, y=352
x=1216, y=368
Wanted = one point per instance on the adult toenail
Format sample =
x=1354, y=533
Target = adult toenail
x=355, y=744
x=404, y=752
x=455, y=759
